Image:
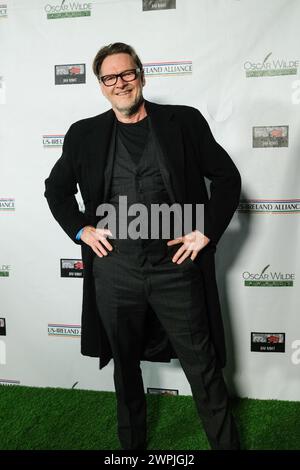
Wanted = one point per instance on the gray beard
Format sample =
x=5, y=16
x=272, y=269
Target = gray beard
x=132, y=109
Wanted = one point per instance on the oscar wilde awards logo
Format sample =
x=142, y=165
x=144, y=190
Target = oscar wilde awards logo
x=69, y=74
x=71, y=268
x=5, y=270
x=270, y=136
x=268, y=342
x=270, y=67
x=269, y=206
x=267, y=278
x=7, y=204
x=67, y=10
x=54, y=140
x=150, y=5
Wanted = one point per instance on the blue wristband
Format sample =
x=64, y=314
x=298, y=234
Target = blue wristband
x=78, y=236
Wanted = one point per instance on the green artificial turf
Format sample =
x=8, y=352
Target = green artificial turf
x=61, y=419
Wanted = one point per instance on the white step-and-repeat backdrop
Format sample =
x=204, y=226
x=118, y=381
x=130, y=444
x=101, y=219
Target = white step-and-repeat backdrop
x=237, y=61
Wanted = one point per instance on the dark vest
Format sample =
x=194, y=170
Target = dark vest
x=140, y=182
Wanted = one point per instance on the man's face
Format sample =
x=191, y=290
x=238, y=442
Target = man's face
x=124, y=97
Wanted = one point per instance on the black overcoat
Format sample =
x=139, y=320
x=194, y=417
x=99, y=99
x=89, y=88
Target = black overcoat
x=190, y=154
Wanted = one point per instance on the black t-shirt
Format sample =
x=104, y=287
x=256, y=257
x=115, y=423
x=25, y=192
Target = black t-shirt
x=134, y=137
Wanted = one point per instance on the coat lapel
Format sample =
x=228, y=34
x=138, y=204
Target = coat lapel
x=100, y=151
x=168, y=134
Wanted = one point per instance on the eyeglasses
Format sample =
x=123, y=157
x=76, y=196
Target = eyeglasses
x=126, y=76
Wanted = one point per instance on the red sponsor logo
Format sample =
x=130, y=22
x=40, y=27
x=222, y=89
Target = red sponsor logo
x=78, y=265
x=74, y=70
x=273, y=339
x=276, y=133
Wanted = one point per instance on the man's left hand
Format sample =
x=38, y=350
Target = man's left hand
x=192, y=243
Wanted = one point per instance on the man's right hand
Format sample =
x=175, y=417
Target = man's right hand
x=96, y=239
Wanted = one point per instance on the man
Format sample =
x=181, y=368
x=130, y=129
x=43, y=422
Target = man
x=143, y=298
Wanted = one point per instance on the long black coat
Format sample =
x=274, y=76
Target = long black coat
x=190, y=152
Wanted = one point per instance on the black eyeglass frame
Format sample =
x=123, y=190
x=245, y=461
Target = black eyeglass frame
x=136, y=71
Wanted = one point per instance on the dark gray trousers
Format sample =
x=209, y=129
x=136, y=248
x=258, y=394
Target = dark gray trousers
x=126, y=282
